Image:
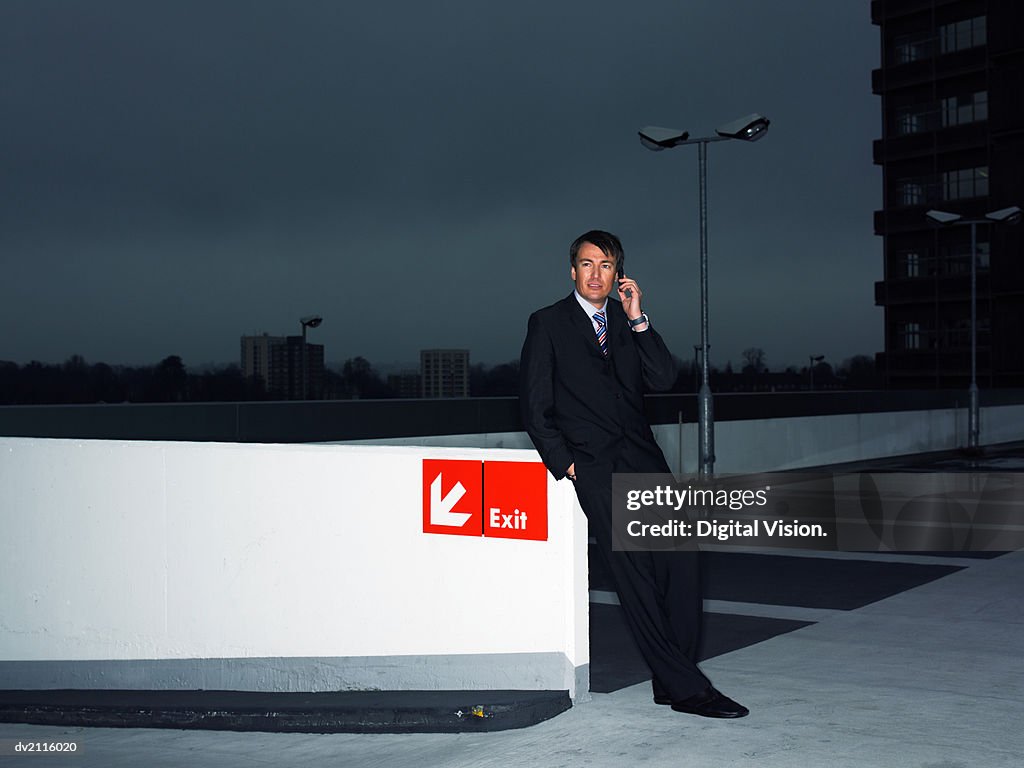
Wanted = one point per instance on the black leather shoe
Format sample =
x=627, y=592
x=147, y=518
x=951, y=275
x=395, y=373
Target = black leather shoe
x=710, y=703
x=660, y=694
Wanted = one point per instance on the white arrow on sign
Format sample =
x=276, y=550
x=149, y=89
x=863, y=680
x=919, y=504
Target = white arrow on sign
x=441, y=509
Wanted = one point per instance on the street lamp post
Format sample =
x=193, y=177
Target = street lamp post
x=309, y=321
x=1011, y=215
x=654, y=138
x=815, y=359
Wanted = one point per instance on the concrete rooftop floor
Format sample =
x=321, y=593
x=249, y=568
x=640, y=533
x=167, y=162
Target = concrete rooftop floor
x=932, y=677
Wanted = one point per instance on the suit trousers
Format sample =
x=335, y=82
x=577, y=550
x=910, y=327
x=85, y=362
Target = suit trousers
x=659, y=591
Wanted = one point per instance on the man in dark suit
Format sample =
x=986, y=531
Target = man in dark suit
x=585, y=365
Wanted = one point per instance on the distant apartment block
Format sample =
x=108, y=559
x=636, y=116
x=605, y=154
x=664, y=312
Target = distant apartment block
x=444, y=372
x=950, y=81
x=405, y=384
x=256, y=354
x=277, y=362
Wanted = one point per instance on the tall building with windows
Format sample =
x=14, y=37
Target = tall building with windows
x=257, y=352
x=277, y=362
x=952, y=87
x=444, y=372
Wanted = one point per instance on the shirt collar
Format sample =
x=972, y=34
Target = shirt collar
x=589, y=308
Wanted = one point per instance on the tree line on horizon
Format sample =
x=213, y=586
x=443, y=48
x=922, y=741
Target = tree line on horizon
x=78, y=382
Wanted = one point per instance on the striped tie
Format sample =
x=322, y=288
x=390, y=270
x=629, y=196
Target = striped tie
x=602, y=333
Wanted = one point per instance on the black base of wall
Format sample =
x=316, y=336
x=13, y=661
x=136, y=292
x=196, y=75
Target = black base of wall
x=330, y=712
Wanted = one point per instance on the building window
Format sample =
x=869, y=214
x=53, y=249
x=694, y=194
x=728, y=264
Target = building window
x=961, y=35
x=956, y=259
x=909, y=264
x=970, y=108
x=910, y=192
x=907, y=121
x=915, y=47
x=953, y=185
x=955, y=110
x=916, y=119
x=909, y=335
x=966, y=182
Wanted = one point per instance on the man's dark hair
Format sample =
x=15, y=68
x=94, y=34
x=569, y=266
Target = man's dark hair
x=606, y=241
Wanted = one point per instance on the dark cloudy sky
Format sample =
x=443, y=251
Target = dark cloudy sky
x=175, y=175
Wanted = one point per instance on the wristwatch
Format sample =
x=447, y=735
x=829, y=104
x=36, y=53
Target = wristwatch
x=640, y=320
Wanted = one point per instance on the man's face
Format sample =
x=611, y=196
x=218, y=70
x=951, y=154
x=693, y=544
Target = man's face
x=594, y=274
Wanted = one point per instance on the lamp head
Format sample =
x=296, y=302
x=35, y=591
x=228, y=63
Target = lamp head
x=656, y=138
x=1011, y=215
x=311, y=321
x=750, y=128
x=943, y=217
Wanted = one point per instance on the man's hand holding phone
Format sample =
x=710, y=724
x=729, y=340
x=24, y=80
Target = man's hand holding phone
x=630, y=295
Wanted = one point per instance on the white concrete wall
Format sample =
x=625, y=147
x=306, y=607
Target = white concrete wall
x=127, y=551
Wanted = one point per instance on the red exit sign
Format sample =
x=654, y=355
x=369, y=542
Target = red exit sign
x=500, y=499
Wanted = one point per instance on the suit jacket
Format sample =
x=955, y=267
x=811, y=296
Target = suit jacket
x=578, y=406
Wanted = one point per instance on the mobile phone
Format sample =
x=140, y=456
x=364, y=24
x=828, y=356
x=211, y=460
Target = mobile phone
x=628, y=291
